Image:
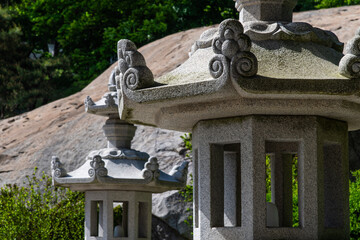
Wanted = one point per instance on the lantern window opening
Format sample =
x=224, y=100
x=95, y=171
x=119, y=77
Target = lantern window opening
x=225, y=185
x=282, y=184
x=120, y=219
x=96, y=219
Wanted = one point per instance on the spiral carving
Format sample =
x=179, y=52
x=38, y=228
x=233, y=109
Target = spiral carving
x=147, y=174
x=156, y=174
x=216, y=45
x=131, y=78
x=133, y=71
x=151, y=170
x=97, y=167
x=232, y=49
x=356, y=67
x=349, y=65
x=59, y=172
x=91, y=172
x=243, y=64
x=57, y=168
x=217, y=66
x=102, y=172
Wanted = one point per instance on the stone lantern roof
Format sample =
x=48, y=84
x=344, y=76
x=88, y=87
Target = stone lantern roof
x=263, y=64
x=117, y=167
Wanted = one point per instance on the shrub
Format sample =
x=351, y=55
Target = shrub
x=38, y=210
x=354, y=201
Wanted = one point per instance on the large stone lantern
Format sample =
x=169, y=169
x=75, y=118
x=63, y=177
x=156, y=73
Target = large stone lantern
x=117, y=176
x=262, y=86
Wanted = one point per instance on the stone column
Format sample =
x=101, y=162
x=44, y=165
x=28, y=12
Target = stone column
x=118, y=133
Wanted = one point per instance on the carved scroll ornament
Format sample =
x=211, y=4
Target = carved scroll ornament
x=232, y=48
x=349, y=65
x=151, y=170
x=97, y=167
x=57, y=168
x=132, y=69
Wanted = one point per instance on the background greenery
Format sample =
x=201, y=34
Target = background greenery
x=84, y=35
x=38, y=210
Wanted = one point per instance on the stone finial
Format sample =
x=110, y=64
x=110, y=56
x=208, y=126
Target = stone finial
x=349, y=65
x=97, y=167
x=265, y=10
x=151, y=169
x=132, y=69
x=232, y=48
x=88, y=103
x=57, y=169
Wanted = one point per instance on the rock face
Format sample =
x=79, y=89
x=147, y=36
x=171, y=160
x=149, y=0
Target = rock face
x=62, y=128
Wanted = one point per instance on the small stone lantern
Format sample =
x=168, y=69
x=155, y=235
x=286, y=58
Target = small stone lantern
x=117, y=176
x=262, y=86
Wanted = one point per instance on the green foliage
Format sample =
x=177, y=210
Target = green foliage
x=187, y=191
x=40, y=211
x=334, y=3
x=354, y=201
x=187, y=194
x=268, y=178
x=295, y=191
x=27, y=83
x=295, y=203
x=86, y=32
x=304, y=5
x=202, y=12
x=187, y=141
x=118, y=210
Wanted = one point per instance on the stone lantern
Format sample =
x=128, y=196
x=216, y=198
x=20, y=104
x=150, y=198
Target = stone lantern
x=262, y=86
x=118, y=176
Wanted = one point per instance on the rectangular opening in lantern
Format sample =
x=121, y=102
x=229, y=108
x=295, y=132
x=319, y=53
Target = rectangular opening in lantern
x=120, y=219
x=225, y=185
x=282, y=194
x=96, y=218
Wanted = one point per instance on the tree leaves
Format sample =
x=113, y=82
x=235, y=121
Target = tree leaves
x=38, y=210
